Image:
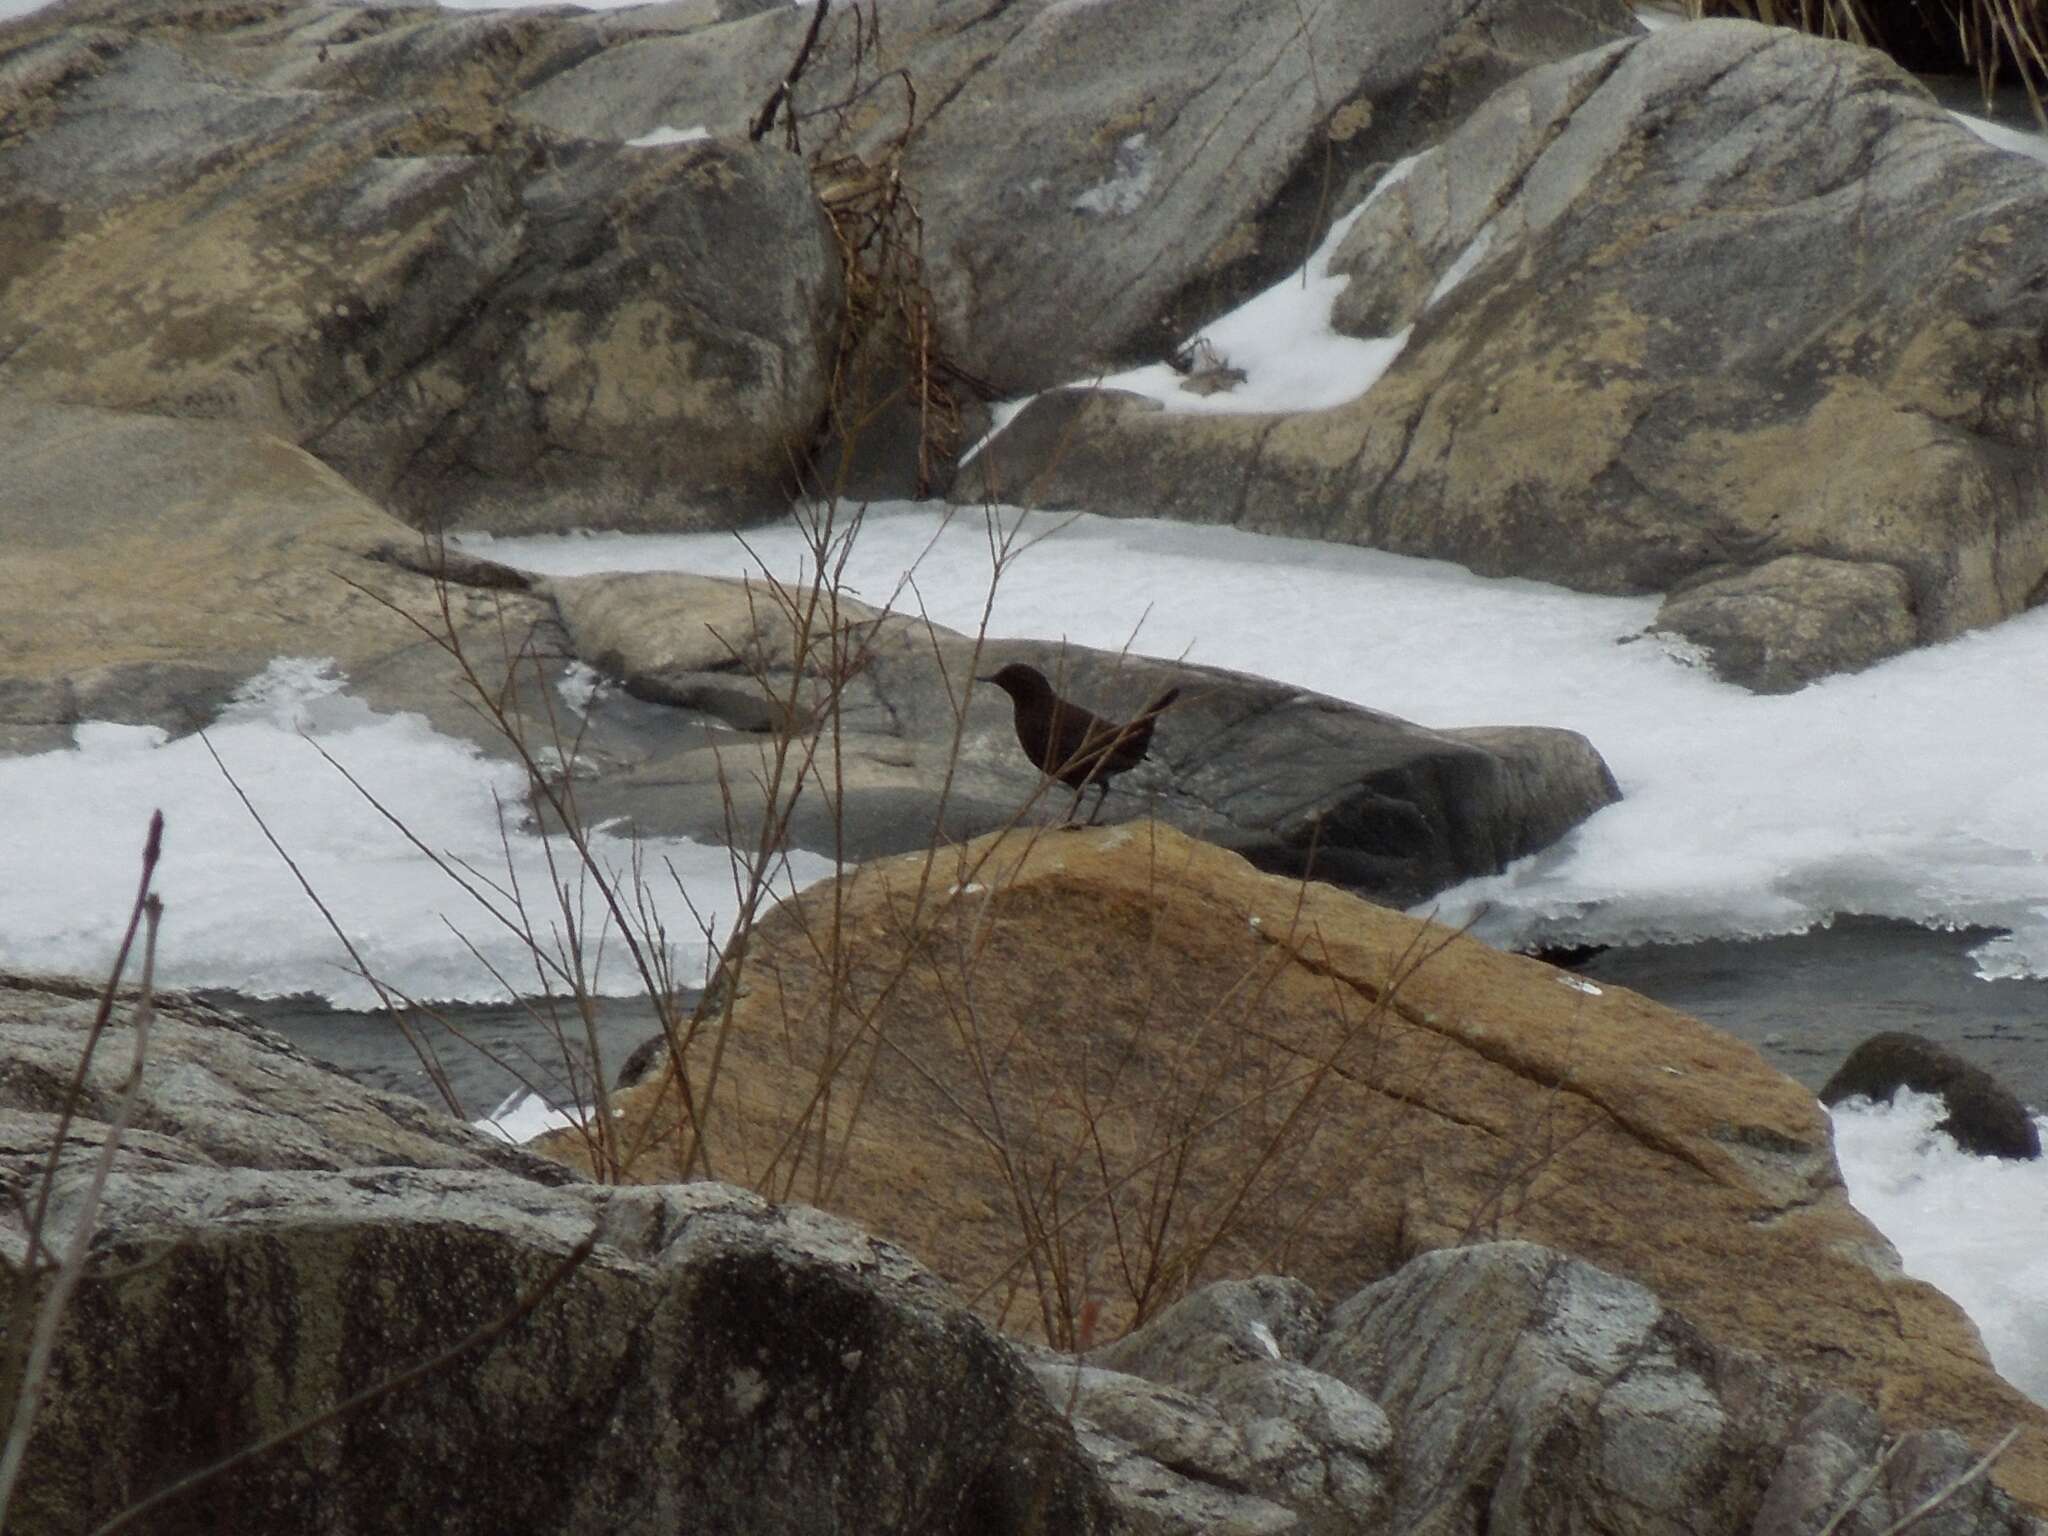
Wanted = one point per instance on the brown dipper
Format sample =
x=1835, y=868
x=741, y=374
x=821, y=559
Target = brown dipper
x=1066, y=742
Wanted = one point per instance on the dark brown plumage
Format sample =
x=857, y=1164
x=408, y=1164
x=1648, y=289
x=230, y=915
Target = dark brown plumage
x=1068, y=743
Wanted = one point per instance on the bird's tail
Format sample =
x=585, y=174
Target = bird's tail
x=1139, y=731
x=1160, y=705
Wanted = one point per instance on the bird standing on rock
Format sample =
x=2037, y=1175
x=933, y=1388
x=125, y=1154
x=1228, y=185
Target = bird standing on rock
x=1066, y=742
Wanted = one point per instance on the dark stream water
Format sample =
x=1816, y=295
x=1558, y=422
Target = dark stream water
x=486, y=1052
x=1808, y=1000
x=1804, y=1001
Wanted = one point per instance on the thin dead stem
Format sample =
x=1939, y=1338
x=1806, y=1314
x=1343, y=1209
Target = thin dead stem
x=27, y=1369
x=426, y=1056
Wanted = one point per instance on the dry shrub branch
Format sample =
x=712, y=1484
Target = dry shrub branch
x=888, y=352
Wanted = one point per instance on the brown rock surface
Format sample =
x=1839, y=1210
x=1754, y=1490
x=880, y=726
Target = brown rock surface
x=1137, y=1034
x=152, y=566
x=323, y=222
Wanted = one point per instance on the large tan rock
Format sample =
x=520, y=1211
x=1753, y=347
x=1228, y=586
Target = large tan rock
x=1176, y=1068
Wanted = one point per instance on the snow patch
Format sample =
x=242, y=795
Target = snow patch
x=1974, y=1227
x=1137, y=164
x=662, y=137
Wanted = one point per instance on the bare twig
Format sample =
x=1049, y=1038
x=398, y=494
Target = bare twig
x=1859, y=1485
x=35, y=1373
x=1962, y=1480
x=152, y=851
x=765, y=118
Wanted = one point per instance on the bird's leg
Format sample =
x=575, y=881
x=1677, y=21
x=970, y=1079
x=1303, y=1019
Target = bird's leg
x=1102, y=785
x=1074, y=805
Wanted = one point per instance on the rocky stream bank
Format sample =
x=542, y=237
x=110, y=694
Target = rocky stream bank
x=1411, y=1235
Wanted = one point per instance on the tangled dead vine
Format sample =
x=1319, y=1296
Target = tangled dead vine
x=888, y=346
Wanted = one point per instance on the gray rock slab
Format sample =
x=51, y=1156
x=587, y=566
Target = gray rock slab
x=1294, y=781
x=1131, y=169
x=220, y=1091
x=1209, y=1390
x=716, y=1363
x=1221, y=1326
x=1528, y=1390
x=1154, y=1500
x=1502, y=1386
x=1775, y=627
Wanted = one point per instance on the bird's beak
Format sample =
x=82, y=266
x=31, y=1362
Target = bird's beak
x=980, y=679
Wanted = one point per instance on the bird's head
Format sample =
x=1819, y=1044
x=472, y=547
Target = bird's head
x=1019, y=681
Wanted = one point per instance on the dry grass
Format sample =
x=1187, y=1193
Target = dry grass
x=1996, y=40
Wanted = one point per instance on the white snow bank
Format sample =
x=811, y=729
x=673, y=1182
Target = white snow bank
x=233, y=914
x=663, y=136
x=525, y=1115
x=1281, y=339
x=1974, y=1227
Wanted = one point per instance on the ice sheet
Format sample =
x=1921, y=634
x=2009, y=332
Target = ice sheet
x=1917, y=789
